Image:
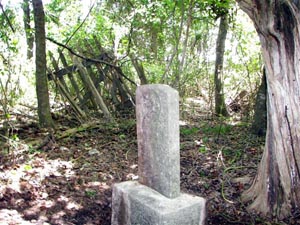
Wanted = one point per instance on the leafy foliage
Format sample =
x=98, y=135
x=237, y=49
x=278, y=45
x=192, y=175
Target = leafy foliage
x=216, y=8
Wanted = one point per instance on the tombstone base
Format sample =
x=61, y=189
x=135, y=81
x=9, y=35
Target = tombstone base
x=137, y=204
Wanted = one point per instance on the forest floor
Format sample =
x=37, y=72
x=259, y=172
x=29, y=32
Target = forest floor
x=68, y=180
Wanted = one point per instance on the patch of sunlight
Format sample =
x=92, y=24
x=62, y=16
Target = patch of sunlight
x=34, y=172
x=199, y=142
x=196, y=101
x=133, y=166
x=209, y=161
x=132, y=176
x=58, y=215
x=53, y=167
x=12, y=216
x=70, y=205
x=182, y=123
x=48, y=203
x=13, y=178
x=101, y=185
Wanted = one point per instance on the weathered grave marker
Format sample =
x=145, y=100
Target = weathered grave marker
x=156, y=198
x=157, y=112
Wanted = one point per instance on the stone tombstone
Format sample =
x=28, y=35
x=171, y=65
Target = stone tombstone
x=157, y=112
x=156, y=199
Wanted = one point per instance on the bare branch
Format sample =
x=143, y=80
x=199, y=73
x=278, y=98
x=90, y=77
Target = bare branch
x=80, y=56
x=7, y=19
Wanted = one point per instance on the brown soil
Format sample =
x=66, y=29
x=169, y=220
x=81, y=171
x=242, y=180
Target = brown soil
x=69, y=180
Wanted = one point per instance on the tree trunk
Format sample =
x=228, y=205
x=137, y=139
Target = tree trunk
x=259, y=125
x=27, y=28
x=185, y=44
x=220, y=108
x=44, y=114
x=177, y=38
x=276, y=188
x=139, y=69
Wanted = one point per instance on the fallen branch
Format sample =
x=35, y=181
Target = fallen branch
x=90, y=59
x=80, y=56
x=72, y=131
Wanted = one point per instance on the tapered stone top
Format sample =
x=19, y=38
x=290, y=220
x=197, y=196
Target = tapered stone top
x=157, y=111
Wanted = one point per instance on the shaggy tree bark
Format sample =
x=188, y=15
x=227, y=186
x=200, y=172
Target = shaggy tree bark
x=276, y=188
x=45, y=118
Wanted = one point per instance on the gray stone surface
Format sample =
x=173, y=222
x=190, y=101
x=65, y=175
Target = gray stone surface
x=156, y=198
x=137, y=204
x=157, y=109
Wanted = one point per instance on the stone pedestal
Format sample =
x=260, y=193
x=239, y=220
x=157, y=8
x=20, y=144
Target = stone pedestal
x=137, y=204
x=156, y=198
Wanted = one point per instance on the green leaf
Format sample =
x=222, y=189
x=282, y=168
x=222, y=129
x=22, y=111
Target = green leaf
x=202, y=149
x=27, y=167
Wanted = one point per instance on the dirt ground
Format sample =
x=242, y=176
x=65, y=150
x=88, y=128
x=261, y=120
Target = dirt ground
x=68, y=179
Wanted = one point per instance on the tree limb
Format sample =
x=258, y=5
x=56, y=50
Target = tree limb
x=7, y=19
x=80, y=56
x=90, y=10
x=247, y=6
x=89, y=59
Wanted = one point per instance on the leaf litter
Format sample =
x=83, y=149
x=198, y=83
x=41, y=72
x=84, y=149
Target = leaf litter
x=71, y=182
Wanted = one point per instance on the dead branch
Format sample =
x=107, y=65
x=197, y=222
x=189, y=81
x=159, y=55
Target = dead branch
x=80, y=56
